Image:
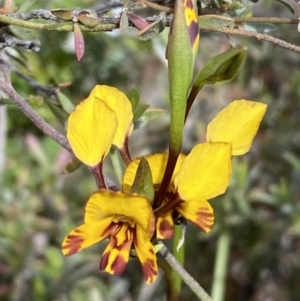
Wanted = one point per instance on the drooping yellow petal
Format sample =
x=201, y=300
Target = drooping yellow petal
x=237, y=124
x=165, y=227
x=146, y=254
x=86, y=235
x=120, y=104
x=157, y=165
x=91, y=130
x=116, y=254
x=106, y=203
x=205, y=172
x=198, y=212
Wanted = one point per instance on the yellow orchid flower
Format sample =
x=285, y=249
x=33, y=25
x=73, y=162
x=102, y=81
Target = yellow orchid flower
x=205, y=172
x=127, y=219
x=202, y=175
x=102, y=119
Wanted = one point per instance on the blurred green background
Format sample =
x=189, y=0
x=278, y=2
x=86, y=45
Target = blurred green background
x=257, y=220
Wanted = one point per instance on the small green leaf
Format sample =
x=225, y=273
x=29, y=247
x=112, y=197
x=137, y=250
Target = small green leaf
x=215, y=21
x=62, y=14
x=222, y=67
x=66, y=103
x=72, y=165
x=152, y=30
x=134, y=97
x=143, y=183
x=124, y=22
x=149, y=115
x=88, y=18
x=139, y=110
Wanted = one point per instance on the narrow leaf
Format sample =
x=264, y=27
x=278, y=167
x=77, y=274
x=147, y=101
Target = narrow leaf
x=222, y=67
x=137, y=21
x=134, y=97
x=72, y=165
x=149, y=115
x=152, y=30
x=143, y=183
x=79, y=42
x=66, y=103
x=215, y=21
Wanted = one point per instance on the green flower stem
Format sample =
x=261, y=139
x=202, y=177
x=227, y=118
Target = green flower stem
x=176, y=280
x=54, y=27
x=221, y=265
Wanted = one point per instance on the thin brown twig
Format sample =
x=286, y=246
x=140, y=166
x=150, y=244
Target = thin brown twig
x=259, y=36
x=186, y=277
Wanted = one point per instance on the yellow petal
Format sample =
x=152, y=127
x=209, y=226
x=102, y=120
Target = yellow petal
x=237, y=124
x=157, y=165
x=198, y=212
x=165, y=227
x=116, y=254
x=205, y=172
x=86, y=235
x=105, y=203
x=146, y=254
x=91, y=130
x=120, y=104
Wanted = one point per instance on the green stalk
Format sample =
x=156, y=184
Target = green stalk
x=176, y=280
x=221, y=266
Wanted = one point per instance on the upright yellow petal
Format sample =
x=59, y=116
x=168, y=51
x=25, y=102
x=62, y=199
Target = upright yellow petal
x=157, y=165
x=146, y=254
x=105, y=203
x=86, y=235
x=205, y=172
x=120, y=104
x=237, y=124
x=198, y=212
x=91, y=130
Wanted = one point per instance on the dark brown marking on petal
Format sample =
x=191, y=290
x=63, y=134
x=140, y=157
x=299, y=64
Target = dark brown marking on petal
x=149, y=270
x=118, y=265
x=73, y=244
x=109, y=230
x=188, y=4
x=166, y=230
x=205, y=219
x=193, y=31
x=104, y=261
